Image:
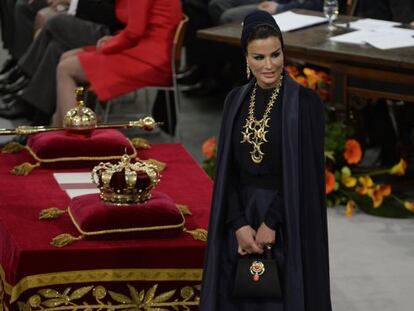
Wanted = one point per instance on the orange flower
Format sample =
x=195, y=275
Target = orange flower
x=378, y=193
x=399, y=169
x=409, y=206
x=376, y=197
x=292, y=70
x=385, y=190
x=352, y=153
x=349, y=209
x=312, y=77
x=209, y=147
x=366, y=183
x=301, y=80
x=324, y=76
x=329, y=182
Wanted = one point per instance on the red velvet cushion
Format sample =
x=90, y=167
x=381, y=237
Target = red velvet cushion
x=62, y=146
x=157, y=218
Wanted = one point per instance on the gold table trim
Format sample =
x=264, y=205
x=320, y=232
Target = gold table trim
x=99, y=275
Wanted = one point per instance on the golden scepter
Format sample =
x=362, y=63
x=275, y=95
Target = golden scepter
x=81, y=119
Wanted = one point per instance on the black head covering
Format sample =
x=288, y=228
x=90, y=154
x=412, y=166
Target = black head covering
x=252, y=21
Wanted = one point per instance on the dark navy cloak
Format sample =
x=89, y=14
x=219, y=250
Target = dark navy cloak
x=306, y=283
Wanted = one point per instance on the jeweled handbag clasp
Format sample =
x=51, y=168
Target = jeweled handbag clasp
x=257, y=268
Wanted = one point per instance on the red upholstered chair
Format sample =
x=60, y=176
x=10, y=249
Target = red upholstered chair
x=175, y=64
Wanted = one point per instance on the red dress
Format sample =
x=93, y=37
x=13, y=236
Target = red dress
x=140, y=54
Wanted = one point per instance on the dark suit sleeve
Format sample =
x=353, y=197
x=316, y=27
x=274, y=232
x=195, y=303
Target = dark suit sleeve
x=100, y=12
x=315, y=5
x=402, y=10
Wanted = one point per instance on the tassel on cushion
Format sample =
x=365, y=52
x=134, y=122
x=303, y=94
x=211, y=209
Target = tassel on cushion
x=65, y=239
x=140, y=143
x=24, y=169
x=12, y=147
x=159, y=165
x=198, y=234
x=51, y=213
x=184, y=209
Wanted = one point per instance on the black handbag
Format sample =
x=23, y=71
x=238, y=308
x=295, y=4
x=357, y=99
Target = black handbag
x=257, y=276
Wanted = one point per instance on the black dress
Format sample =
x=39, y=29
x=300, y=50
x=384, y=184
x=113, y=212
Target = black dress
x=292, y=201
x=255, y=198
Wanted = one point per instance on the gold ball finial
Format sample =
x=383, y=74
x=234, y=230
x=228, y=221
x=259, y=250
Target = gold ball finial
x=80, y=118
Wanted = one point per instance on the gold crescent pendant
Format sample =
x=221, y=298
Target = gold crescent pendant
x=254, y=131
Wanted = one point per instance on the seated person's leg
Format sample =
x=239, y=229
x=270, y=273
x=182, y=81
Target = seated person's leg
x=24, y=16
x=69, y=74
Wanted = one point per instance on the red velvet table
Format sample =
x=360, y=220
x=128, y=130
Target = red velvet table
x=98, y=274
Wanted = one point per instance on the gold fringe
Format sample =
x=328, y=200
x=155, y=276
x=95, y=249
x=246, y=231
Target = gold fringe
x=51, y=213
x=160, y=165
x=65, y=239
x=12, y=147
x=140, y=143
x=24, y=169
x=198, y=234
x=184, y=209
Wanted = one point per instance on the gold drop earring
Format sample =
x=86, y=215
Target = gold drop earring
x=247, y=70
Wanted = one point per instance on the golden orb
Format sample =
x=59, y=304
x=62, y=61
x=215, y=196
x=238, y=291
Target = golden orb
x=80, y=118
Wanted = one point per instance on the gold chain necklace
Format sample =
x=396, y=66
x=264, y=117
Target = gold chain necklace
x=254, y=131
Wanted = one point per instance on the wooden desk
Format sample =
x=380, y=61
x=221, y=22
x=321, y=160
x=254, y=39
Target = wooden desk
x=350, y=60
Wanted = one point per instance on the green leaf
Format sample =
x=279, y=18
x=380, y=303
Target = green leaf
x=80, y=292
x=164, y=296
x=150, y=294
x=119, y=297
x=55, y=302
x=66, y=291
x=134, y=294
x=141, y=296
x=49, y=293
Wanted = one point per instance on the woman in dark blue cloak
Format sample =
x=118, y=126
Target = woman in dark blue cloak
x=270, y=186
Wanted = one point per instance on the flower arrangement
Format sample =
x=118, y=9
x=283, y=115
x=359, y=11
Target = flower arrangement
x=317, y=80
x=345, y=182
x=343, y=186
x=209, y=150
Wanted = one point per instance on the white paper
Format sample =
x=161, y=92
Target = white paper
x=391, y=42
x=75, y=184
x=289, y=21
x=73, y=178
x=77, y=192
x=356, y=37
x=372, y=24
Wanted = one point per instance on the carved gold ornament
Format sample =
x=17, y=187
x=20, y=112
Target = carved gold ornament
x=92, y=297
x=254, y=131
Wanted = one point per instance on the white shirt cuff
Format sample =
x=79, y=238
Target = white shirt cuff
x=73, y=7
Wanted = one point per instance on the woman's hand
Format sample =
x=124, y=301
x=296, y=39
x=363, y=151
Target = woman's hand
x=268, y=6
x=265, y=235
x=55, y=3
x=246, y=241
x=102, y=41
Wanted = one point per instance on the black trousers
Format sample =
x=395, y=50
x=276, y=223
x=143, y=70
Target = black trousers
x=60, y=34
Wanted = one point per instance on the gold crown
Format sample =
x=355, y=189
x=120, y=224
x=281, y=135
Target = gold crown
x=125, y=182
